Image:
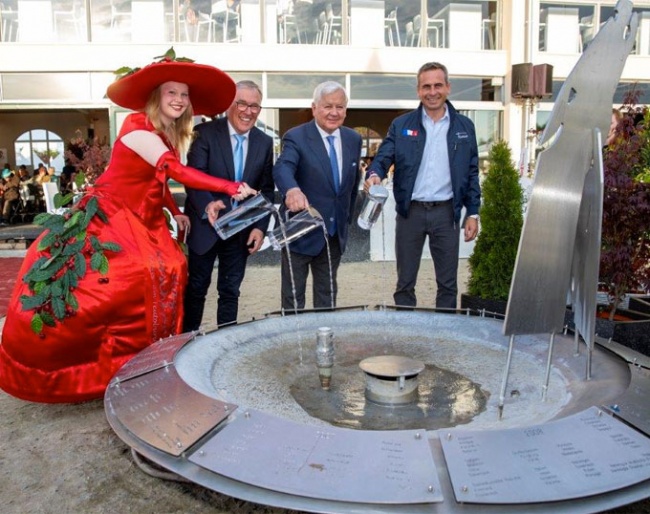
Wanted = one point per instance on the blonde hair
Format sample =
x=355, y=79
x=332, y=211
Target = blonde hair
x=179, y=132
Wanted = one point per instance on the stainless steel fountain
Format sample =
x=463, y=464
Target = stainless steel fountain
x=272, y=413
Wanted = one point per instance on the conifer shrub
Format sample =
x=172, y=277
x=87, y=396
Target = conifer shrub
x=492, y=262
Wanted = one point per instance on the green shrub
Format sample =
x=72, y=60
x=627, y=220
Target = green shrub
x=493, y=260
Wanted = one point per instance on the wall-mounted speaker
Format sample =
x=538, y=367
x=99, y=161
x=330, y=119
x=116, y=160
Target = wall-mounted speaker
x=543, y=80
x=530, y=81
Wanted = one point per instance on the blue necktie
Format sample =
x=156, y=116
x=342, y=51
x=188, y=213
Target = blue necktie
x=239, y=157
x=334, y=163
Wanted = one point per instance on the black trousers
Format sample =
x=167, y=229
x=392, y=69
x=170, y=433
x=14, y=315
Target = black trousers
x=435, y=221
x=232, y=255
x=324, y=285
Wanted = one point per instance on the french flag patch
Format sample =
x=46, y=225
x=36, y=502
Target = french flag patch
x=409, y=132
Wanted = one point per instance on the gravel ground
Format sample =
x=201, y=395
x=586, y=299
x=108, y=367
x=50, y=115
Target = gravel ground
x=66, y=458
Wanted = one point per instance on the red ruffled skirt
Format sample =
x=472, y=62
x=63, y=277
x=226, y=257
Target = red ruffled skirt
x=141, y=302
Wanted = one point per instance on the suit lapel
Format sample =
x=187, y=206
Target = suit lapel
x=225, y=148
x=252, y=156
x=345, y=158
x=317, y=146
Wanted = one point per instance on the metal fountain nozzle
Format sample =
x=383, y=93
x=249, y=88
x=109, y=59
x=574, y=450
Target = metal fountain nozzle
x=325, y=356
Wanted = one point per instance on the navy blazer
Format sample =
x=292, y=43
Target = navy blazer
x=304, y=163
x=211, y=152
x=404, y=147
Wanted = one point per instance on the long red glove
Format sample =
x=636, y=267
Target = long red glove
x=170, y=166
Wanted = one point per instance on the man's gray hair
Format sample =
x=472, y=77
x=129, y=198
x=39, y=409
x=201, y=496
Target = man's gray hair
x=327, y=88
x=249, y=84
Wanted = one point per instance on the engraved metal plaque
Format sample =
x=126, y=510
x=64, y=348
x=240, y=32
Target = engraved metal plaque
x=633, y=406
x=582, y=455
x=393, y=467
x=156, y=356
x=163, y=411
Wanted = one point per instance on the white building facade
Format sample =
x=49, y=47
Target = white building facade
x=58, y=56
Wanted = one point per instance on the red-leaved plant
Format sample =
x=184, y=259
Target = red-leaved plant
x=625, y=250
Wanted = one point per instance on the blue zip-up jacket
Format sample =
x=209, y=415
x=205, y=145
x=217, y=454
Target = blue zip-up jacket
x=404, y=146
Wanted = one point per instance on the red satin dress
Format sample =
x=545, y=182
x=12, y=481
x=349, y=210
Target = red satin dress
x=141, y=302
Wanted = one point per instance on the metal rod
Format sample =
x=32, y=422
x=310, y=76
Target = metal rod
x=548, y=366
x=576, y=338
x=506, y=372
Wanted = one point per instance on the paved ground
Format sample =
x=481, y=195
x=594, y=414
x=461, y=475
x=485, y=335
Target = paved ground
x=66, y=458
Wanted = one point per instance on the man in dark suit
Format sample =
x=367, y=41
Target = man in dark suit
x=435, y=154
x=215, y=151
x=319, y=167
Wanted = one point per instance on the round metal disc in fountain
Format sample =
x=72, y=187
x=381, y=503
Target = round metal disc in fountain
x=391, y=379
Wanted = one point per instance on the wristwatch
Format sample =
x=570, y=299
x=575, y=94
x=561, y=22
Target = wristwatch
x=475, y=216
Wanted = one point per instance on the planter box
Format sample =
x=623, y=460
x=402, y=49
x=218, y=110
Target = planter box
x=478, y=305
x=640, y=304
x=634, y=334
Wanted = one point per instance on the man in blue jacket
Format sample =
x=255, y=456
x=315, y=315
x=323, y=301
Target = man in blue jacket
x=435, y=155
x=319, y=167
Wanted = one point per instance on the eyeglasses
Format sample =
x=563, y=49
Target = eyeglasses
x=242, y=106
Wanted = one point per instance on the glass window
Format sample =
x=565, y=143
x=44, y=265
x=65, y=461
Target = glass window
x=468, y=89
x=566, y=28
x=39, y=146
x=139, y=21
x=488, y=130
x=69, y=17
x=400, y=87
x=624, y=88
x=642, y=44
x=317, y=22
x=457, y=24
x=45, y=86
x=296, y=85
x=383, y=87
x=619, y=96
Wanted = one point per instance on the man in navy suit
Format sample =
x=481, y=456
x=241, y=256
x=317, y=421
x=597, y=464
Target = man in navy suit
x=319, y=167
x=435, y=155
x=212, y=151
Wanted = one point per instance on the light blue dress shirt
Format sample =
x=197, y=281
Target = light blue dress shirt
x=433, y=182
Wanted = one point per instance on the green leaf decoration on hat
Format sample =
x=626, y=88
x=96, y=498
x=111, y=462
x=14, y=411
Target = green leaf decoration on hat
x=168, y=56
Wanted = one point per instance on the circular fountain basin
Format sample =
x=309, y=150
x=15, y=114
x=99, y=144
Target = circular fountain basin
x=269, y=366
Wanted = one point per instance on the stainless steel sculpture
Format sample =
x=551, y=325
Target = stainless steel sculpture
x=559, y=246
x=559, y=237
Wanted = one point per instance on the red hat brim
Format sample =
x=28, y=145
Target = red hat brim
x=211, y=90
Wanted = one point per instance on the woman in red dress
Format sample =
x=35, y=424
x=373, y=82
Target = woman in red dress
x=107, y=279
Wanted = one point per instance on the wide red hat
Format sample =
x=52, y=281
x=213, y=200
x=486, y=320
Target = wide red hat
x=211, y=90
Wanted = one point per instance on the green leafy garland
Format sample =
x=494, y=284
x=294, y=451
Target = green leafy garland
x=53, y=278
x=169, y=55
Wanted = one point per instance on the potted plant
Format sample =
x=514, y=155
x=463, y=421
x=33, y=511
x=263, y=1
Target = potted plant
x=625, y=251
x=88, y=155
x=492, y=262
x=625, y=247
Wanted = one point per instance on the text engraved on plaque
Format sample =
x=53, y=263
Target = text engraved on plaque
x=323, y=462
x=155, y=356
x=164, y=411
x=582, y=455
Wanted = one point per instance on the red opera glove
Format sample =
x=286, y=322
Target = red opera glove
x=170, y=166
